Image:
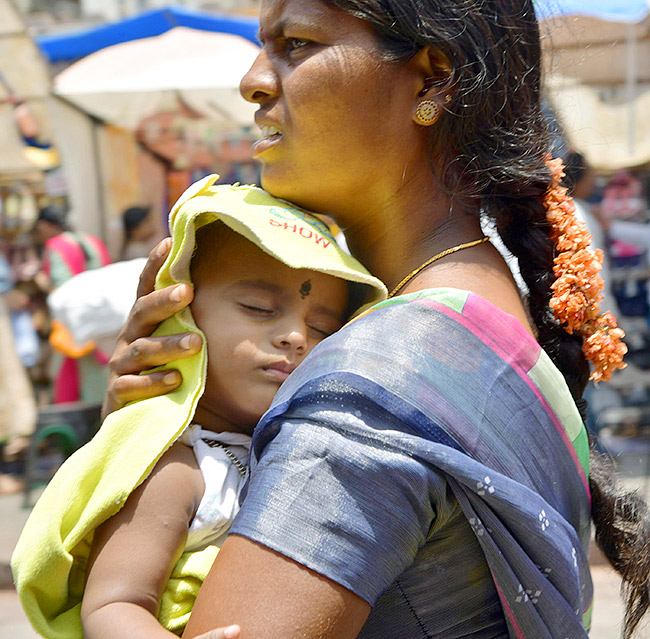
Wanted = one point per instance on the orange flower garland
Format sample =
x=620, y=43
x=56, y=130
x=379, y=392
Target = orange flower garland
x=577, y=291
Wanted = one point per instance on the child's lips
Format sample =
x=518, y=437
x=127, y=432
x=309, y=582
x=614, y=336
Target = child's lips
x=280, y=370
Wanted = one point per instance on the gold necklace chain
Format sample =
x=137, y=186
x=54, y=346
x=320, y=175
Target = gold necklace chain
x=431, y=260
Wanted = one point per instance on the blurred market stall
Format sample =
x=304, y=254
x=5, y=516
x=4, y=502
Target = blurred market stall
x=24, y=161
x=147, y=105
x=24, y=87
x=124, y=83
x=598, y=77
x=598, y=83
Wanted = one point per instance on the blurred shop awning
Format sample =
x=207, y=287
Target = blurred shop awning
x=23, y=73
x=75, y=45
x=600, y=130
x=598, y=76
x=124, y=83
x=609, y=10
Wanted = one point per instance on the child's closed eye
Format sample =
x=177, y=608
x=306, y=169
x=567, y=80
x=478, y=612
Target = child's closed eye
x=261, y=310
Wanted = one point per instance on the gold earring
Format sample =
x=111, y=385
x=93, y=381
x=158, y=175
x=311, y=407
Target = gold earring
x=427, y=113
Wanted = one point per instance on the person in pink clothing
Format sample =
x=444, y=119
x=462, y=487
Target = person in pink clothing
x=80, y=374
x=65, y=252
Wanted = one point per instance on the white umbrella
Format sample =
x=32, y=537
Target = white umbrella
x=127, y=82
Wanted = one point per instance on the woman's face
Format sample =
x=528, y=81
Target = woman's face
x=336, y=119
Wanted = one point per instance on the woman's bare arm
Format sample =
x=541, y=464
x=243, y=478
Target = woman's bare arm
x=137, y=351
x=269, y=596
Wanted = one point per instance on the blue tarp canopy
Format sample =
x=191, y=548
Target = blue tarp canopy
x=613, y=10
x=72, y=46
x=75, y=45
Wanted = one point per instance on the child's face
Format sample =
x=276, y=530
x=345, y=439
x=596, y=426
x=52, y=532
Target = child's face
x=261, y=319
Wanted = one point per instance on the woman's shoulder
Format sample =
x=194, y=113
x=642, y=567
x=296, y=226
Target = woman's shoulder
x=465, y=311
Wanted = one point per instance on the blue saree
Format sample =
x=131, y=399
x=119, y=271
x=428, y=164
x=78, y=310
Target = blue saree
x=429, y=457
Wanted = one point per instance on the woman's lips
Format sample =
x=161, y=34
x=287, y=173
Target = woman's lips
x=265, y=143
x=271, y=134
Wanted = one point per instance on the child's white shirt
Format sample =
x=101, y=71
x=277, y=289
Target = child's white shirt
x=224, y=466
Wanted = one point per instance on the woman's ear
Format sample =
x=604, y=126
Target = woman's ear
x=434, y=70
x=433, y=91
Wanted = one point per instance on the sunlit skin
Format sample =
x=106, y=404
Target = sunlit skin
x=333, y=112
x=345, y=120
x=258, y=323
x=349, y=147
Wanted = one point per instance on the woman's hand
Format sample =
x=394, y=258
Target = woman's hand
x=137, y=351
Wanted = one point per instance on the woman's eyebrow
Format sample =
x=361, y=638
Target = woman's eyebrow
x=284, y=25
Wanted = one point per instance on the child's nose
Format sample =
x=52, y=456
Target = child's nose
x=293, y=338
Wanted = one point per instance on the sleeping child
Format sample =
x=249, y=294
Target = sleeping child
x=125, y=532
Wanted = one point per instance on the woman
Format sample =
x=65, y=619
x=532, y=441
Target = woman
x=423, y=473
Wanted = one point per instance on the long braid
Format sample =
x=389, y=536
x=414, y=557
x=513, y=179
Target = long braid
x=621, y=517
x=521, y=223
x=622, y=520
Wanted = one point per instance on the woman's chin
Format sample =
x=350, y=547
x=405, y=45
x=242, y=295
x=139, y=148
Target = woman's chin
x=288, y=187
x=278, y=185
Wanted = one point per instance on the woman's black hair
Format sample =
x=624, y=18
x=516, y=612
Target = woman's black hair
x=492, y=142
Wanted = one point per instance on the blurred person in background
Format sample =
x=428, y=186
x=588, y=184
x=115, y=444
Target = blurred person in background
x=17, y=406
x=66, y=252
x=139, y=233
x=80, y=369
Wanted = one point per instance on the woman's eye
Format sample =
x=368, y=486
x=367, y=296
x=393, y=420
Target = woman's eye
x=295, y=44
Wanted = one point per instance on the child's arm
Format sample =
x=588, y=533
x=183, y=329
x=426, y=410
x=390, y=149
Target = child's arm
x=134, y=552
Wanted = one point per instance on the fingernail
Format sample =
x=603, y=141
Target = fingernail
x=161, y=249
x=231, y=632
x=170, y=378
x=177, y=294
x=186, y=342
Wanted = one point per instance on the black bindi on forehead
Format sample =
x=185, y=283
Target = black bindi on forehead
x=305, y=289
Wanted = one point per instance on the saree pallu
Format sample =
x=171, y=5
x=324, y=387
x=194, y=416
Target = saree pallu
x=455, y=385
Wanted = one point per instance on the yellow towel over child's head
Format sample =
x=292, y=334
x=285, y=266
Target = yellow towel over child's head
x=49, y=562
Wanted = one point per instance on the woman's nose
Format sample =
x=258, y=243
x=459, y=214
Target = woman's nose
x=260, y=82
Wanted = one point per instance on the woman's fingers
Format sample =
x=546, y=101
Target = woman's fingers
x=151, y=309
x=126, y=385
x=156, y=258
x=230, y=632
x=148, y=352
x=137, y=351
x=127, y=388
